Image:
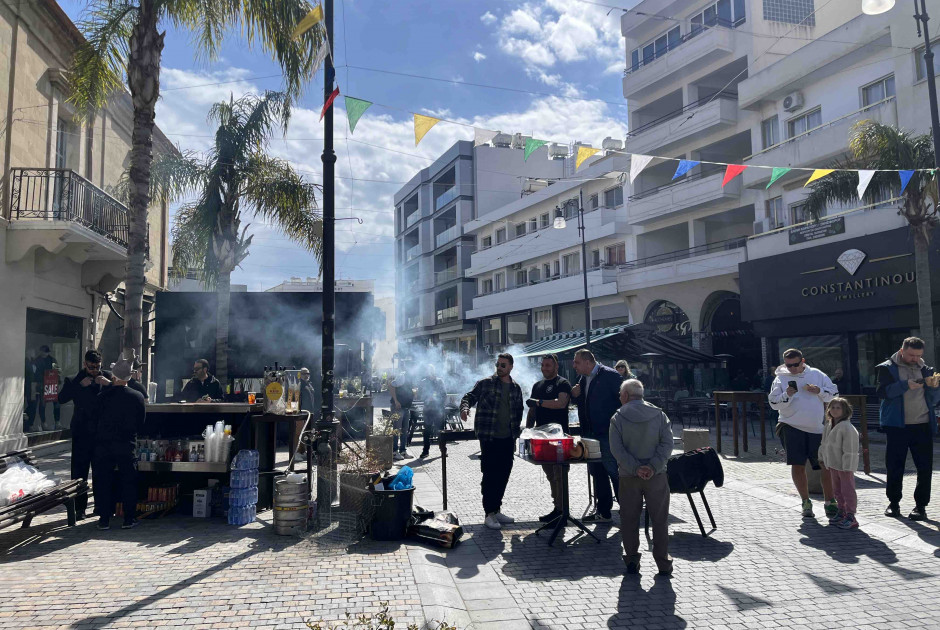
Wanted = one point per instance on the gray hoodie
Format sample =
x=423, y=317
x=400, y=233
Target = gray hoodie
x=640, y=435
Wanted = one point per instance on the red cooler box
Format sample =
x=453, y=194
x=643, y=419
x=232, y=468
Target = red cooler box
x=547, y=450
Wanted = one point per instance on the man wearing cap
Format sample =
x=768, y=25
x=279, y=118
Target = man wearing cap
x=121, y=413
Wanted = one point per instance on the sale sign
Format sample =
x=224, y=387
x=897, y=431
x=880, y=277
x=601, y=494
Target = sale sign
x=50, y=386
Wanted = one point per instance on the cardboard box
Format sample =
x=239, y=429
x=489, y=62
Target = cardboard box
x=202, y=500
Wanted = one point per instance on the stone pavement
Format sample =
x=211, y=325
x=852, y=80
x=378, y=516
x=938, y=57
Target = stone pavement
x=763, y=567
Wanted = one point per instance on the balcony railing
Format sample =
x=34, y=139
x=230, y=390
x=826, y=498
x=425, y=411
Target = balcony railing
x=412, y=218
x=447, y=235
x=63, y=195
x=731, y=96
x=683, y=39
x=449, y=195
x=683, y=254
x=449, y=314
x=413, y=252
x=440, y=277
x=552, y=278
x=706, y=170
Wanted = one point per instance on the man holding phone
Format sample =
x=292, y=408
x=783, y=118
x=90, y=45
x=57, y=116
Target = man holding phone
x=909, y=391
x=800, y=393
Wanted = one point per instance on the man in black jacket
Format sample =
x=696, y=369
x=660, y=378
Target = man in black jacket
x=597, y=395
x=121, y=414
x=202, y=387
x=83, y=390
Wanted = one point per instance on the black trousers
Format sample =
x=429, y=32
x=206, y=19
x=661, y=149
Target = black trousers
x=56, y=412
x=83, y=451
x=917, y=439
x=496, y=465
x=432, y=426
x=109, y=456
x=606, y=485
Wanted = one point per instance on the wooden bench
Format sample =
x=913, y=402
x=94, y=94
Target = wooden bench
x=29, y=506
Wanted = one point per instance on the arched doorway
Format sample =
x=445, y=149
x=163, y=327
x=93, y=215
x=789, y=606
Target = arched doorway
x=729, y=335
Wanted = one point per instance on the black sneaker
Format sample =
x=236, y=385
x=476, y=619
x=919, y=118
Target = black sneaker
x=425, y=454
x=104, y=524
x=79, y=516
x=551, y=516
x=919, y=513
x=893, y=510
x=597, y=517
x=130, y=524
x=633, y=568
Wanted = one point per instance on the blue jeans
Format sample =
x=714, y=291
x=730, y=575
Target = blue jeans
x=404, y=426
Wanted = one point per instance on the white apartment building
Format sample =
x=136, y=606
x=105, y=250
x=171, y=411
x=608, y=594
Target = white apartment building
x=432, y=247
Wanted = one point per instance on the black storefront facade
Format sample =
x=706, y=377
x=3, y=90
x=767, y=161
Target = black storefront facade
x=847, y=305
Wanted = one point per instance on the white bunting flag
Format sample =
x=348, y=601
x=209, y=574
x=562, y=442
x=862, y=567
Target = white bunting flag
x=482, y=136
x=637, y=164
x=864, y=179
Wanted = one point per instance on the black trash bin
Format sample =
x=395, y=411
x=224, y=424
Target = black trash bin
x=392, y=513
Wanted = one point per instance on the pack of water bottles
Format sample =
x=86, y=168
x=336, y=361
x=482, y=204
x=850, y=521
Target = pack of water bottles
x=243, y=495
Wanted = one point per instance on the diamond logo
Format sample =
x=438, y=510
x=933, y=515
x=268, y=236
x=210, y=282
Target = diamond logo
x=851, y=260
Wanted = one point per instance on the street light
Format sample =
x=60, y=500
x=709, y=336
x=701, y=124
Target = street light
x=876, y=7
x=560, y=224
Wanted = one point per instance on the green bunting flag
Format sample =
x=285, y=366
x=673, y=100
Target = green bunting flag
x=355, y=108
x=531, y=145
x=779, y=171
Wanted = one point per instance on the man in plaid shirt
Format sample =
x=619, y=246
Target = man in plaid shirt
x=497, y=423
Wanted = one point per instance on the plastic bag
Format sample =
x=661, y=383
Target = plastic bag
x=545, y=432
x=20, y=481
x=403, y=480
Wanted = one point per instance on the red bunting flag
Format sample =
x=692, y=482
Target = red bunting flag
x=732, y=171
x=329, y=103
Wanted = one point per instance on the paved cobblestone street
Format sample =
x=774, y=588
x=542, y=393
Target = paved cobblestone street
x=763, y=567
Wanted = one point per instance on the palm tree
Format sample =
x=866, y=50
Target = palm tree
x=124, y=44
x=886, y=149
x=236, y=175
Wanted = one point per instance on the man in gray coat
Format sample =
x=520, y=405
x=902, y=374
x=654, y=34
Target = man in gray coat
x=641, y=442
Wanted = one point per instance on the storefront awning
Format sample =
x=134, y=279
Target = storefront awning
x=630, y=342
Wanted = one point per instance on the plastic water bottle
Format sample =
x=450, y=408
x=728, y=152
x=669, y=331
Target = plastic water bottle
x=559, y=452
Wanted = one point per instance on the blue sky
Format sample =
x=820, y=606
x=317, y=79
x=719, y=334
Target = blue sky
x=567, y=50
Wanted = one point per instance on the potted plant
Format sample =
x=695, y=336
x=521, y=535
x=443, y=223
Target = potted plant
x=358, y=469
x=382, y=440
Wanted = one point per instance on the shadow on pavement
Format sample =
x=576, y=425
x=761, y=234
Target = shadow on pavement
x=635, y=606
x=830, y=587
x=845, y=546
x=694, y=548
x=744, y=601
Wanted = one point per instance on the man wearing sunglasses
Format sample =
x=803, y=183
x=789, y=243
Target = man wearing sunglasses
x=202, y=387
x=800, y=393
x=497, y=423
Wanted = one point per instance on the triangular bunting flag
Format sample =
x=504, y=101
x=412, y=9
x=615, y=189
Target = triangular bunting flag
x=684, y=167
x=329, y=102
x=864, y=179
x=321, y=55
x=637, y=164
x=531, y=144
x=583, y=154
x=355, y=108
x=732, y=171
x=905, y=179
x=819, y=173
x=423, y=124
x=778, y=172
x=314, y=17
x=482, y=136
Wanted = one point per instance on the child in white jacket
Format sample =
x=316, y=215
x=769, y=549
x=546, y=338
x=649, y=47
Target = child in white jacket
x=839, y=453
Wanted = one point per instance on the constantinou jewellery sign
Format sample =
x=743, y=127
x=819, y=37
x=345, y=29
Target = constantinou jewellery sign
x=851, y=288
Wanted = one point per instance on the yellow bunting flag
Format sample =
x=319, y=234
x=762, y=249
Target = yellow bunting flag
x=314, y=17
x=583, y=154
x=423, y=124
x=819, y=173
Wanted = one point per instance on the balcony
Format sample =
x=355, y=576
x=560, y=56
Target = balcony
x=440, y=277
x=412, y=218
x=449, y=314
x=66, y=214
x=707, y=115
x=447, y=236
x=413, y=252
x=704, y=261
x=699, y=49
x=555, y=290
x=689, y=193
x=816, y=147
x=446, y=197
x=412, y=322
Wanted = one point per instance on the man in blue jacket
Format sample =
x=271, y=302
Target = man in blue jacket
x=909, y=392
x=597, y=395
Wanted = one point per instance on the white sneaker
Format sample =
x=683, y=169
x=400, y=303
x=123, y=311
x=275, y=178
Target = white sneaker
x=492, y=522
x=398, y=457
x=503, y=519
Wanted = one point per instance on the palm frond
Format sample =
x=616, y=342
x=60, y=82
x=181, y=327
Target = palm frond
x=192, y=242
x=175, y=175
x=99, y=64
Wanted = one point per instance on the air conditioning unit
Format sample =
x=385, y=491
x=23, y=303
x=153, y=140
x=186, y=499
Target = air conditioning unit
x=516, y=266
x=557, y=151
x=502, y=140
x=793, y=101
x=610, y=144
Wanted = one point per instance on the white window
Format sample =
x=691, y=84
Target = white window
x=486, y=242
x=534, y=275
x=520, y=230
x=774, y=209
x=556, y=268
x=547, y=271
x=592, y=202
x=522, y=277
x=533, y=225
x=571, y=263
x=571, y=208
x=499, y=281
x=595, y=258
x=545, y=220
x=770, y=132
x=922, y=63
x=500, y=236
x=655, y=48
x=486, y=287
x=798, y=213
x=613, y=198
x=615, y=254
x=878, y=91
x=720, y=13
x=543, y=322
x=802, y=124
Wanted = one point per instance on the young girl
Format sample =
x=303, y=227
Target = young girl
x=839, y=452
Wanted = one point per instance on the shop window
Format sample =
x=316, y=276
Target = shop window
x=53, y=351
x=873, y=348
x=543, y=322
x=517, y=328
x=823, y=352
x=492, y=331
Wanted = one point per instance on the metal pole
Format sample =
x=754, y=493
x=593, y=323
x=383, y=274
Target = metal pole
x=584, y=264
x=325, y=424
x=922, y=17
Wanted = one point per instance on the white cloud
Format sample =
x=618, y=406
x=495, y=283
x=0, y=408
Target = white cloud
x=478, y=56
x=533, y=53
x=487, y=18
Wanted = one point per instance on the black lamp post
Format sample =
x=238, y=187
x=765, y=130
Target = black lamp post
x=876, y=7
x=560, y=224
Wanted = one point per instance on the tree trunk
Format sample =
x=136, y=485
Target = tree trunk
x=143, y=79
x=924, y=294
x=224, y=292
